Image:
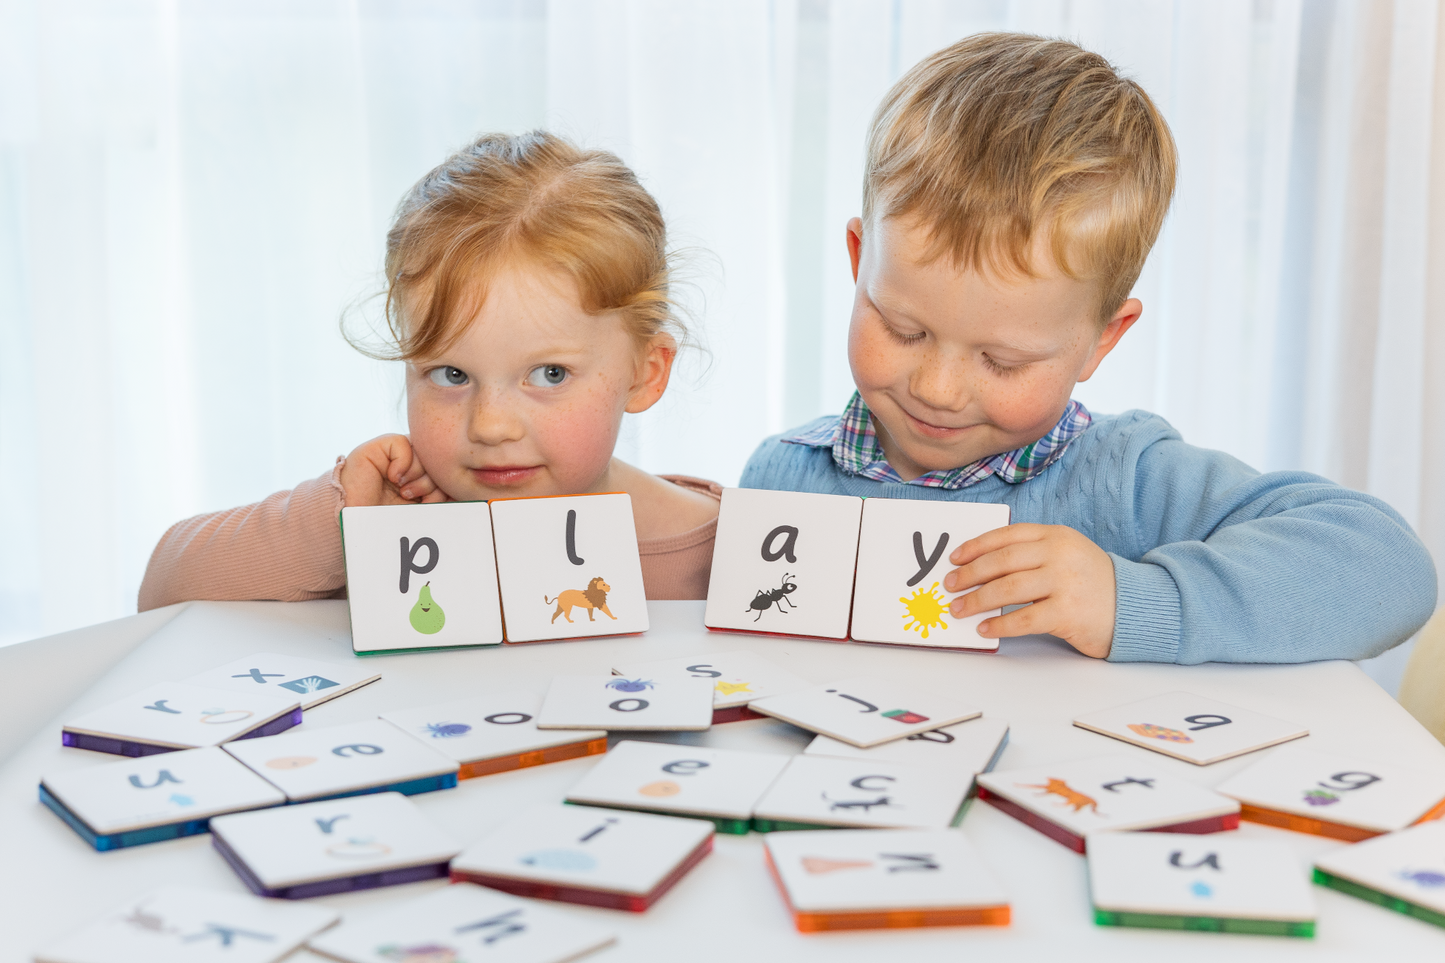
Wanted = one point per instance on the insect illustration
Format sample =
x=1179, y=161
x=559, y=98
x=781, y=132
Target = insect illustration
x=1321, y=797
x=630, y=685
x=1425, y=877
x=445, y=730
x=1057, y=787
x=592, y=598
x=767, y=598
x=863, y=804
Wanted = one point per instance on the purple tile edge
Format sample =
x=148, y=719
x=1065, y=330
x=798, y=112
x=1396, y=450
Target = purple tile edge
x=279, y=724
x=345, y=884
x=128, y=747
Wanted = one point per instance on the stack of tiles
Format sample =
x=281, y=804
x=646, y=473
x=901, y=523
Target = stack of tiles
x=1330, y=795
x=884, y=879
x=333, y=846
x=1072, y=800
x=1190, y=727
x=1215, y=883
x=613, y=702
x=188, y=925
x=349, y=760
x=868, y=712
x=1403, y=871
x=146, y=800
x=574, y=854
x=738, y=678
x=720, y=785
x=176, y=715
x=819, y=792
x=454, y=923
x=495, y=732
x=285, y=675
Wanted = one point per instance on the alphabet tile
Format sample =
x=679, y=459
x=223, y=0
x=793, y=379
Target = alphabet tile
x=359, y=757
x=313, y=680
x=738, y=677
x=1403, y=871
x=616, y=702
x=495, y=732
x=1069, y=800
x=177, y=715
x=884, y=878
x=333, y=846
x=868, y=711
x=145, y=800
x=820, y=791
x=783, y=563
x=1190, y=727
x=973, y=746
x=183, y=924
x=420, y=576
x=453, y=923
x=1172, y=880
x=898, y=595
x=569, y=567
x=583, y=855
x=1332, y=794
x=718, y=784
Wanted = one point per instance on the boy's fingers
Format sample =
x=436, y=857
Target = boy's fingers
x=995, y=540
x=1031, y=620
x=1016, y=557
x=1014, y=589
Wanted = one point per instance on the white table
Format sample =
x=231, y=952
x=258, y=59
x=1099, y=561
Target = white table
x=728, y=908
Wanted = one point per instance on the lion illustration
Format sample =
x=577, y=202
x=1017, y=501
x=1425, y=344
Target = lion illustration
x=592, y=598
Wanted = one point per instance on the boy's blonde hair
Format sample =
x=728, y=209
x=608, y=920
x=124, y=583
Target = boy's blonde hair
x=1000, y=137
x=536, y=197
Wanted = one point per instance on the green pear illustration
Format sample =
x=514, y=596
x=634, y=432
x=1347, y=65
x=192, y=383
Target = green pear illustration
x=427, y=617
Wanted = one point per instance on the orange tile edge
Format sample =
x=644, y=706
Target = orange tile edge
x=539, y=757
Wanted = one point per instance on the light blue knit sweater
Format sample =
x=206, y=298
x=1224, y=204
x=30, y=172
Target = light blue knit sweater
x=1213, y=561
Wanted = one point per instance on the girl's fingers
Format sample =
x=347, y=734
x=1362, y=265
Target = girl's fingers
x=418, y=488
x=436, y=495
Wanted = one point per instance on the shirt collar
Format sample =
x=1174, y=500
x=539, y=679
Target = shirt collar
x=856, y=451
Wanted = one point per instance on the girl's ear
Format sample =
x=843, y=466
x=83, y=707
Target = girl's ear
x=654, y=368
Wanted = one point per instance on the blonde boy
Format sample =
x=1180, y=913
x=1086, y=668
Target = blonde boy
x=1013, y=189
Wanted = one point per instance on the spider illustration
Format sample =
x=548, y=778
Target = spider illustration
x=629, y=685
x=445, y=730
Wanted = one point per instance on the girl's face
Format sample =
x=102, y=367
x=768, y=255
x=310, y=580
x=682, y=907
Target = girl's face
x=529, y=399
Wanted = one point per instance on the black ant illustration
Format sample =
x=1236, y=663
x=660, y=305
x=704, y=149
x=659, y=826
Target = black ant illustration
x=767, y=598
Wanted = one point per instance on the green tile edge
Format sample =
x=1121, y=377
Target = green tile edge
x=733, y=827
x=1378, y=898
x=1206, y=924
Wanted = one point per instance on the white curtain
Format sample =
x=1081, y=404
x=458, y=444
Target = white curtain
x=192, y=192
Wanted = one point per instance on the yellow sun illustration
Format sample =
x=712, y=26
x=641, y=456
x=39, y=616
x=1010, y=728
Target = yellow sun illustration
x=728, y=688
x=925, y=609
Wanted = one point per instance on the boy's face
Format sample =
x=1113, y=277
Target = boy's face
x=960, y=365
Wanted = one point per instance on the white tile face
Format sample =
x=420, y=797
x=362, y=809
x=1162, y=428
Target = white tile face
x=783, y=563
x=314, y=763
x=609, y=850
x=966, y=747
x=858, y=871
x=569, y=567
x=737, y=677
x=1336, y=788
x=1409, y=864
x=827, y=791
x=1191, y=727
x=679, y=779
x=898, y=595
x=460, y=923
x=333, y=839
x=1106, y=793
x=189, y=925
x=869, y=712
x=1216, y=875
x=313, y=681
x=172, y=787
x=618, y=702
x=489, y=726
x=421, y=576
x=185, y=716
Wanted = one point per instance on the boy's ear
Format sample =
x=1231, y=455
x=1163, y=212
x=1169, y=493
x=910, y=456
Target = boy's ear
x=1122, y=321
x=654, y=369
x=855, y=244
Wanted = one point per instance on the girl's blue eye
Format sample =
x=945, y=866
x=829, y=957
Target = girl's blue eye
x=547, y=376
x=446, y=376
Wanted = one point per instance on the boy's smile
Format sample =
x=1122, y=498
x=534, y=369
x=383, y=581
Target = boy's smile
x=959, y=365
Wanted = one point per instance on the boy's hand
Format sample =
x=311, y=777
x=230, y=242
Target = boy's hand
x=1068, y=578
x=385, y=471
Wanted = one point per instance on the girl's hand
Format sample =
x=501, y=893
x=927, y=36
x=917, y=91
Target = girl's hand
x=1068, y=578
x=385, y=471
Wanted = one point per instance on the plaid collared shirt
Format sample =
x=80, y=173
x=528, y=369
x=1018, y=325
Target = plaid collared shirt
x=856, y=450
